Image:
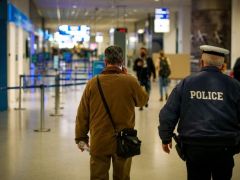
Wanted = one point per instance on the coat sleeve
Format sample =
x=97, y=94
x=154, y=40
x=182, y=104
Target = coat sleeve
x=135, y=65
x=82, y=119
x=169, y=115
x=153, y=69
x=140, y=96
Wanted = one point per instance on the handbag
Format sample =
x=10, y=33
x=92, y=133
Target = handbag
x=128, y=144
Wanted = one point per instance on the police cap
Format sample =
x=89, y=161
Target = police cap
x=214, y=50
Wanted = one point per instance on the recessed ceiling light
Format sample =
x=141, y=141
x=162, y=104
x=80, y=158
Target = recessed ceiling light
x=74, y=6
x=156, y=0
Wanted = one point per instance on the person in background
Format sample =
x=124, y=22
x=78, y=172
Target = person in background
x=164, y=72
x=206, y=107
x=236, y=69
x=122, y=93
x=144, y=68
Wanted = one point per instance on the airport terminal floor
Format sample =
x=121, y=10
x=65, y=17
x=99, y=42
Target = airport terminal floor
x=28, y=155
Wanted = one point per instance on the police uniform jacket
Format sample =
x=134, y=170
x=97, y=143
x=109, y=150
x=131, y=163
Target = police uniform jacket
x=206, y=107
x=122, y=93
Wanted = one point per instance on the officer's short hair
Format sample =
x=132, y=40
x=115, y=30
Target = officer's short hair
x=114, y=55
x=212, y=60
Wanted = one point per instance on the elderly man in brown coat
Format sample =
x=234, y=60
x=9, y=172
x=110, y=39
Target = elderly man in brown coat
x=123, y=93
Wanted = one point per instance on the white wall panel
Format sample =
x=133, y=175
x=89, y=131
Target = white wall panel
x=169, y=39
x=12, y=65
x=184, y=26
x=20, y=49
x=235, y=31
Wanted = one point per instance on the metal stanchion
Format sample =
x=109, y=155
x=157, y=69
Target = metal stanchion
x=42, y=125
x=75, y=76
x=20, y=94
x=57, y=97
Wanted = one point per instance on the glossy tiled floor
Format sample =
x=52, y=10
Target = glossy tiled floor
x=27, y=155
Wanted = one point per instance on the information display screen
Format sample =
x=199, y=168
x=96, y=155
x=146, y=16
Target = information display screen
x=161, y=22
x=68, y=36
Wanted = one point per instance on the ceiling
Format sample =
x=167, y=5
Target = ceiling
x=101, y=15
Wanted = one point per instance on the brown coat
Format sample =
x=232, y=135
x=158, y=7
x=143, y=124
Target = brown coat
x=122, y=93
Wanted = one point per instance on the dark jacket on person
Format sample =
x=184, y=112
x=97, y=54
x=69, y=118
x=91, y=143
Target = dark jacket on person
x=206, y=107
x=144, y=73
x=236, y=70
x=122, y=93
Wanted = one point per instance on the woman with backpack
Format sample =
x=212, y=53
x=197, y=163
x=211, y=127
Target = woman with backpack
x=164, y=72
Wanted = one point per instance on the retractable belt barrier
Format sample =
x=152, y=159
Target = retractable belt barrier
x=36, y=76
x=42, y=88
x=20, y=88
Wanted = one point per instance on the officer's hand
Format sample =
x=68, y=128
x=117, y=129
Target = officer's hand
x=166, y=147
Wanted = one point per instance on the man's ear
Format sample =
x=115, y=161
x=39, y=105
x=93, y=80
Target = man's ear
x=222, y=67
x=105, y=61
x=201, y=63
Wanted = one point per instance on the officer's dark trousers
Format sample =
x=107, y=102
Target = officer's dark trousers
x=204, y=163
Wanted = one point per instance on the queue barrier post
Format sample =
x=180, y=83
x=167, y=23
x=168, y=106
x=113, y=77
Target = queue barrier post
x=20, y=95
x=42, y=121
x=57, y=97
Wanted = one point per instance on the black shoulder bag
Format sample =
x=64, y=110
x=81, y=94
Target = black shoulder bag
x=128, y=144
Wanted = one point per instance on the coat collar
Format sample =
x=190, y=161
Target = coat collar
x=211, y=69
x=112, y=70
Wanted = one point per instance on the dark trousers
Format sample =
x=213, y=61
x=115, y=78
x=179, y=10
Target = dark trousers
x=147, y=85
x=204, y=162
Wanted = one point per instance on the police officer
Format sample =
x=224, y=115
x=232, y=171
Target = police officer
x=206, y=107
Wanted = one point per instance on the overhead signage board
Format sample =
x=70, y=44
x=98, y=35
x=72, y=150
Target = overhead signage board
x=77, y=33
x=161, y=22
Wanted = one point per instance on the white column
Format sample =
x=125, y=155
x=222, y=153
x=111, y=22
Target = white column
x=20, y=50
x=184, y=28
x=169, y=39
x=235, y=52
x=12, y=81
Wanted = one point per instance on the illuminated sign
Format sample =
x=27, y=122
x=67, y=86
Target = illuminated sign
x=69, y=36
x=161, y=22
x=123, y=30
x=77, y=33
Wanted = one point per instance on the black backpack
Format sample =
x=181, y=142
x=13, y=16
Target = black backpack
x=164, y=68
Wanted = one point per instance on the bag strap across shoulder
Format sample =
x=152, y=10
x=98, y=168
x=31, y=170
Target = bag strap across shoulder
x=105, y=103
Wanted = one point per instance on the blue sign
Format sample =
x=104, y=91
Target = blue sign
x=162, y=13
x=98, y=67
x=161, y=22
x=18, y=18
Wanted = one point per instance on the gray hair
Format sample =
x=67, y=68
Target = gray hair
x=114, y=55
x=212, y=60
